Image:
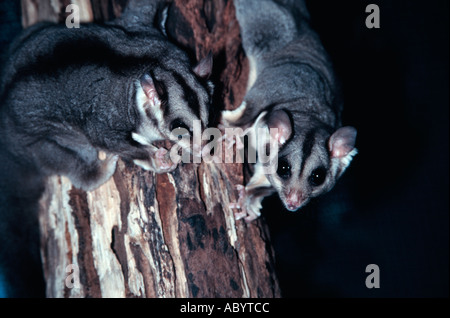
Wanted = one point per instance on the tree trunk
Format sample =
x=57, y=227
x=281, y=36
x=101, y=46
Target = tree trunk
x=166, y=235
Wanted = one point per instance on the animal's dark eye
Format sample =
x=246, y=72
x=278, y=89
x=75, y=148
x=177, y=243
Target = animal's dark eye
x=284, y=168
x=179, y=128
x=317, y=177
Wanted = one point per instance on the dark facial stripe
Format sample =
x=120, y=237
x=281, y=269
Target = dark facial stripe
x=189, y=94
x=307, y=147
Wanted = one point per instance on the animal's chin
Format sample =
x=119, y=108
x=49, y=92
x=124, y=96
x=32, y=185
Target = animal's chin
x=293, y=208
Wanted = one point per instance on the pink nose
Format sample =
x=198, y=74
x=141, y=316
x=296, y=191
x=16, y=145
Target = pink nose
x=294, y=200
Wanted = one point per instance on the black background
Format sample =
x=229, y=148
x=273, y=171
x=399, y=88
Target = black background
x=391, y=206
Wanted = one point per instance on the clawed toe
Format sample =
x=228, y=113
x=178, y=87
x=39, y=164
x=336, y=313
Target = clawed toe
x=159, y=161
x=246, y=205
x=163, y=163
x=240, y=204
x=160, y=153
x=239, y=215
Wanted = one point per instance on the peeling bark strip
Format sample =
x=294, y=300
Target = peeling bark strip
x=168, y=235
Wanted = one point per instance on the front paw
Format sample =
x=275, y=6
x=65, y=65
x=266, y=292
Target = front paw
x=162, y=161
x=248, y=205
x=158, y=162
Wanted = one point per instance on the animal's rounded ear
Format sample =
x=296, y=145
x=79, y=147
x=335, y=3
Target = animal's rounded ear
x=280, y=120
x=152, y=89
x=148, y=85
x=204, y=67
x=342, y=141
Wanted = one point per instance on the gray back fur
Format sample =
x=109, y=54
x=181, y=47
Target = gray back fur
x=291, y=72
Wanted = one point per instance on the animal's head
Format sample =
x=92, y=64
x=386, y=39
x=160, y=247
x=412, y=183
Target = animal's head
x=310, y=160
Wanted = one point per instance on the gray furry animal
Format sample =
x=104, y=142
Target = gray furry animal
x=68, y=94
x=292, y=88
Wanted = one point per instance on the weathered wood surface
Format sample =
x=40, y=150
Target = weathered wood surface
x=167, y=235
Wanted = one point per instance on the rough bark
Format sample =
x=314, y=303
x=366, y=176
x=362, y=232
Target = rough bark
x=166, y=235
